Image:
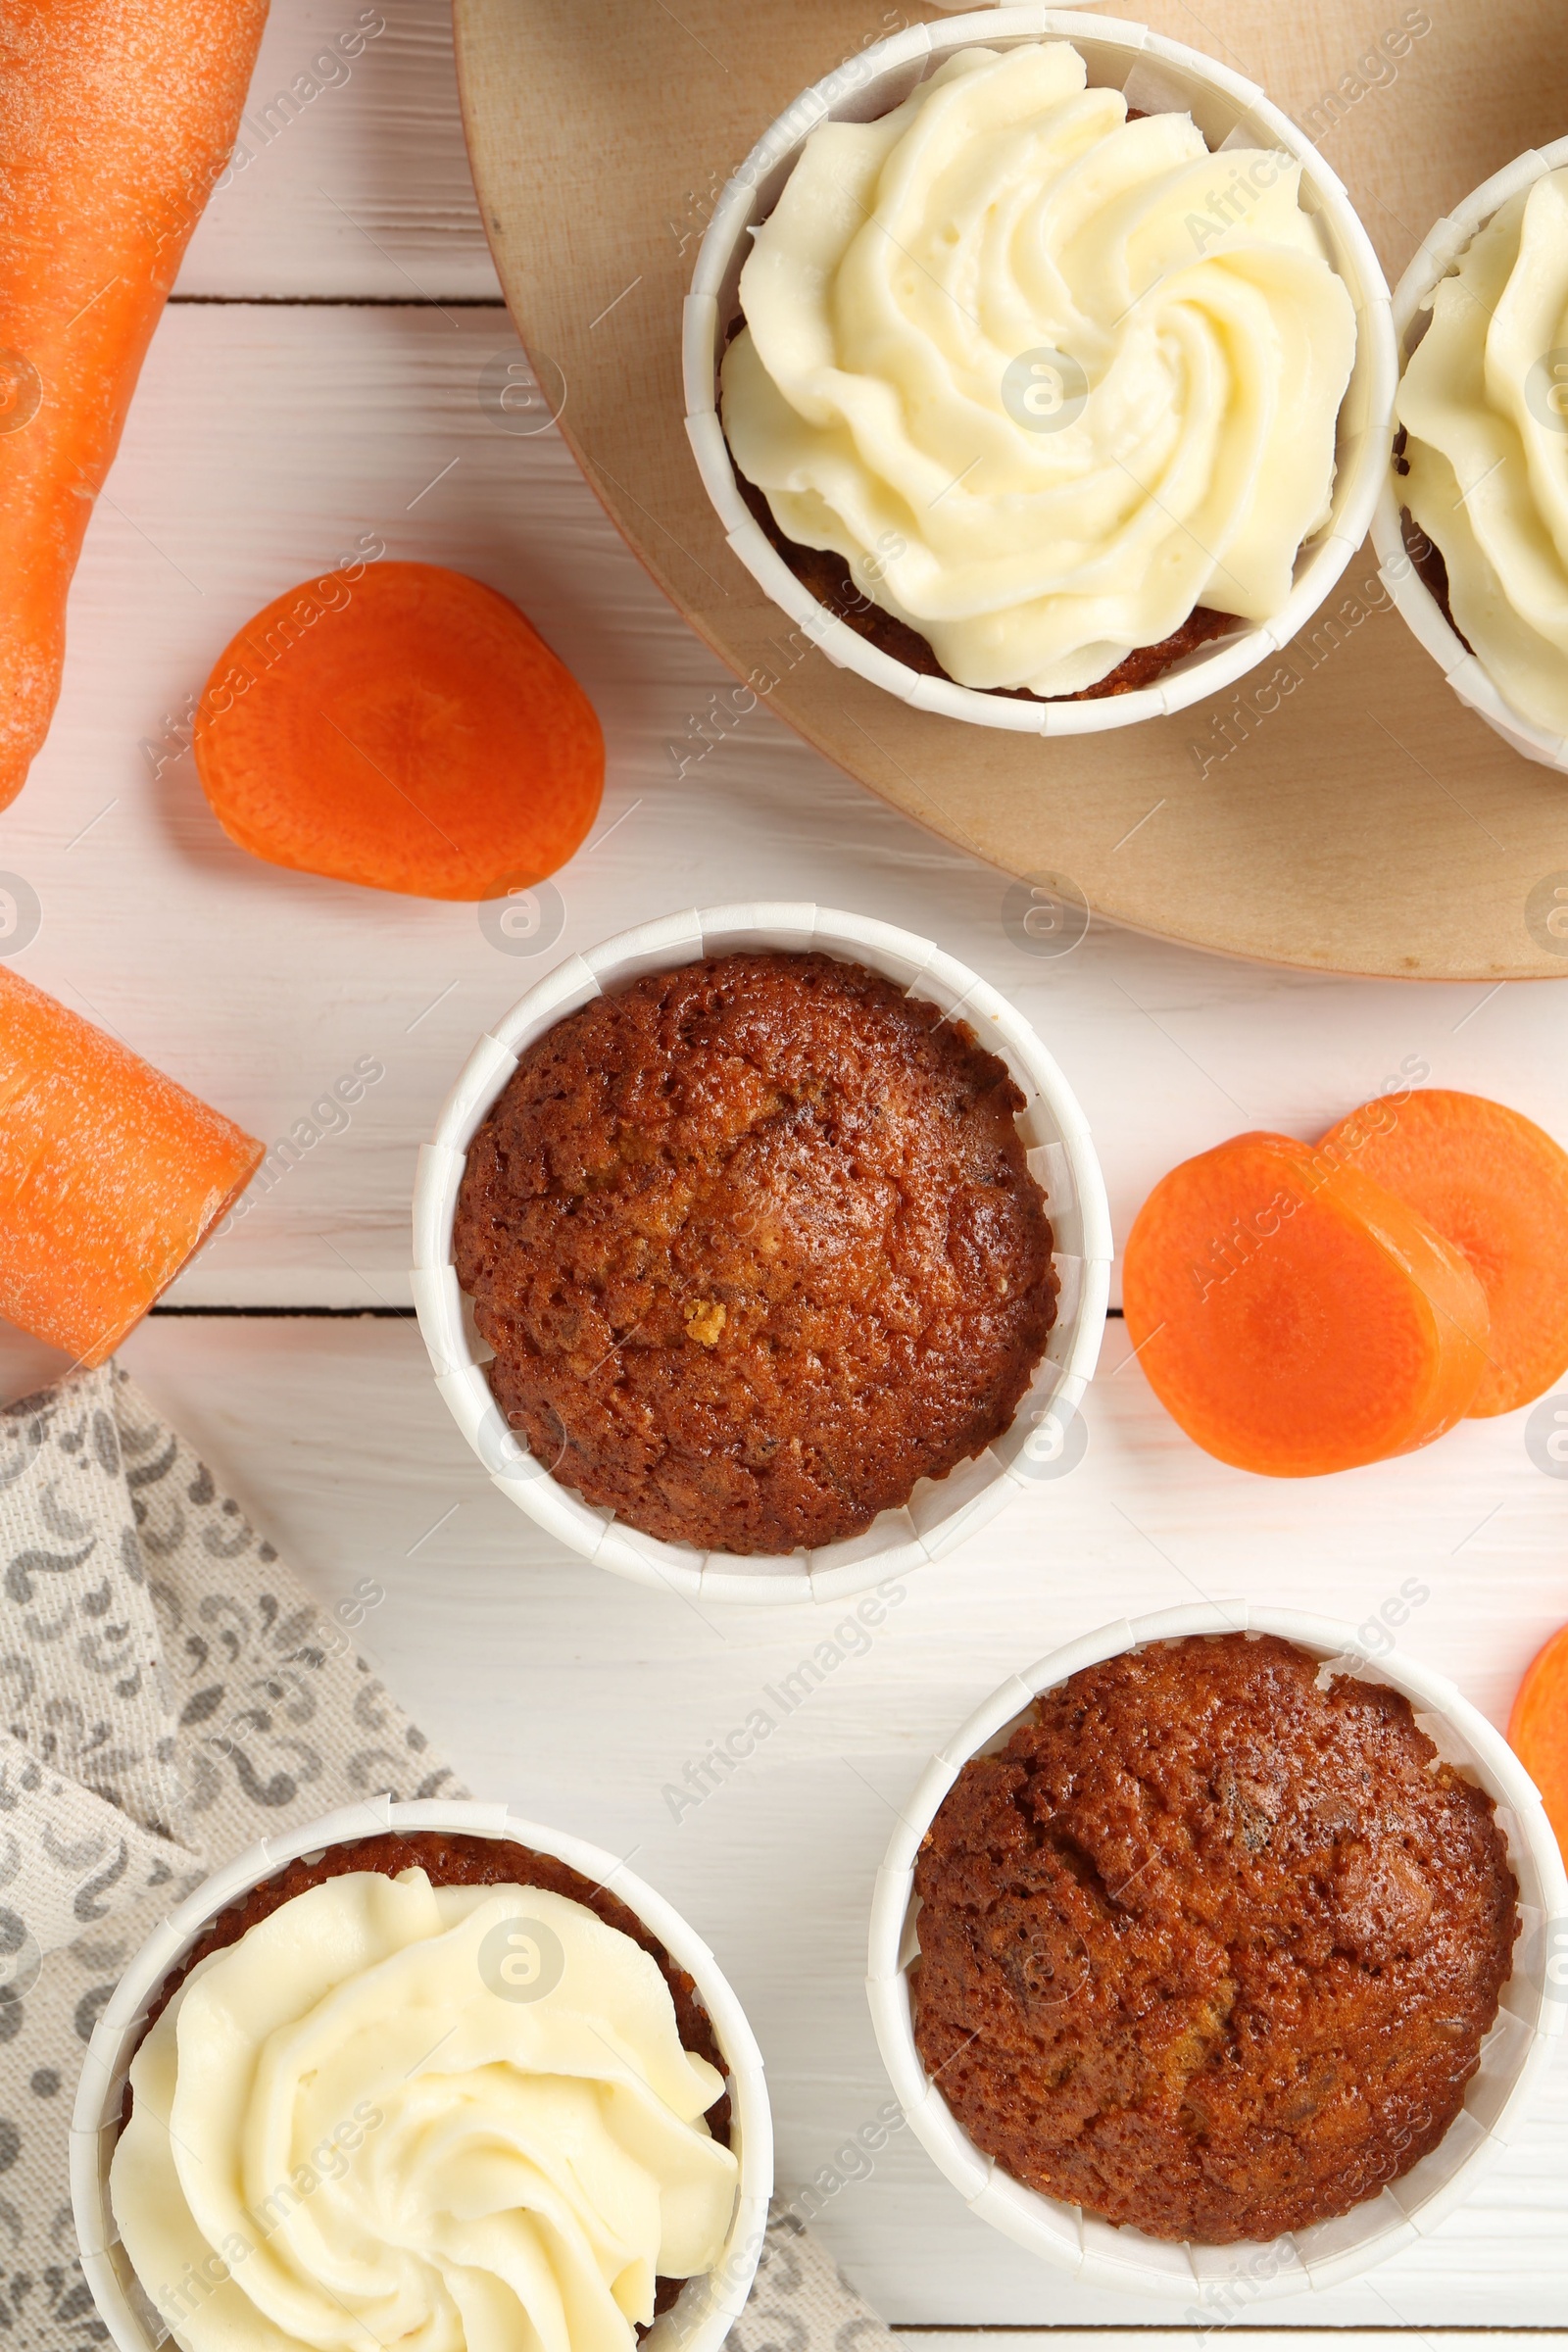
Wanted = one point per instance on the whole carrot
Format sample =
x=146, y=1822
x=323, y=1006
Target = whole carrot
x=117, y=117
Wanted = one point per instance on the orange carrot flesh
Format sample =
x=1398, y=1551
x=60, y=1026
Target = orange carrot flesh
x=1538, y=1730
x=1293, y=1316
x=402, y=726
x=1496, y=1186
x=117, y=117
x=110, y=1175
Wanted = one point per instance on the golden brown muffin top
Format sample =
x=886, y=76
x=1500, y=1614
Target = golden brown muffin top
x=756, y=1246
x=1207, y=1947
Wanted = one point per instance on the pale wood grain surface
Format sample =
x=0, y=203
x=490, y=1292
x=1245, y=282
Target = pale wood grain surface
x=350, y=179
x=267, y=437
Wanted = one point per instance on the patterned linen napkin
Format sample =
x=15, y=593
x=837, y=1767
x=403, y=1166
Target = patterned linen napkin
x=801, y=2301
x=171, y=1695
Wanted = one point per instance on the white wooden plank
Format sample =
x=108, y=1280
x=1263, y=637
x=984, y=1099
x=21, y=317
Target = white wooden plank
x=266, y=442
x=581, y=1699
x=350, y=176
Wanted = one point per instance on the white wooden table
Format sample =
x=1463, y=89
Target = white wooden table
x=317, y=377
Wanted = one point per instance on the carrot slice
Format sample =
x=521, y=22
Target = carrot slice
x=1496, y=1186
x=1538, y=1729
x=401, y=726
x=110, y=1175
x=1293, y=1316
x=117, y=117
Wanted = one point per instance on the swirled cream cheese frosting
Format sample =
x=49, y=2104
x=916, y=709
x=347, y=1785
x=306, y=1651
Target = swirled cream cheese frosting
x=457, y=2118
x=1046, y=378
x=1484, y=407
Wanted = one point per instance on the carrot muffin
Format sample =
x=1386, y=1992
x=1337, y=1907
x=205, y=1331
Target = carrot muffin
x=756, y=1246
x=425, y=2084
x=1210, y=1947
x=1058, y=387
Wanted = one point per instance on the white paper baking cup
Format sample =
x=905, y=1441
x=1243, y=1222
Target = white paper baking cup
x=1438, y=258
x=702, y=2314
x=1228, y=2279
x=941, y=1513
x=1157, y=75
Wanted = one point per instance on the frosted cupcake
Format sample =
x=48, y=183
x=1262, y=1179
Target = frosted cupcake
x=1046, y=386
x=1483, y=409
x=424, y=2089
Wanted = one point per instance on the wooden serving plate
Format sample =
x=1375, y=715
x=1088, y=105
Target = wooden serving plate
x=1365, y=822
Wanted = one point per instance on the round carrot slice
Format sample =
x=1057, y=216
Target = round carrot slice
x=403, y=726
x=1293, y=1316
x=1496, y=1186
x=1538, y=1730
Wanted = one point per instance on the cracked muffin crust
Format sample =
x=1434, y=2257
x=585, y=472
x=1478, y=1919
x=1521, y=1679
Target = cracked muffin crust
x=1207, y=1948
x=756, y=1246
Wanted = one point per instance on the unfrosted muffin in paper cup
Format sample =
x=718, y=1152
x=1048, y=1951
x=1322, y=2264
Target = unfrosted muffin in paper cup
x=557, y=1190
x=1036, y=367
x=1472, y=527
x=1226, y=1928
x=422, y=2069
